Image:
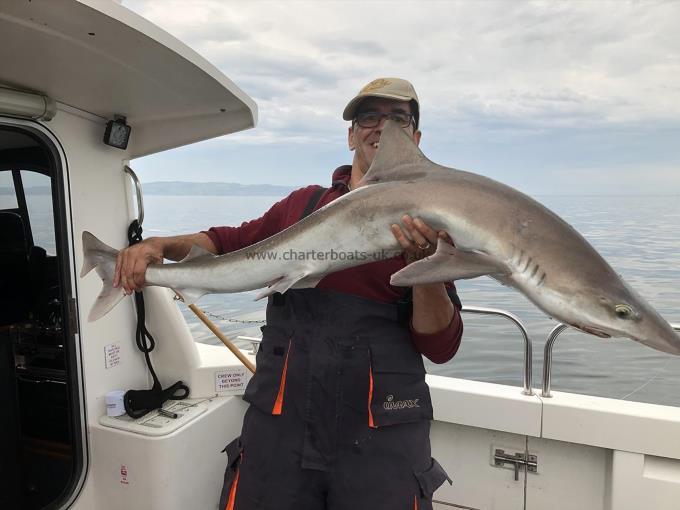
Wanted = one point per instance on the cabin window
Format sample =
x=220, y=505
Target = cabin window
x=8, y=198
x=41, y=443
x=38, y=192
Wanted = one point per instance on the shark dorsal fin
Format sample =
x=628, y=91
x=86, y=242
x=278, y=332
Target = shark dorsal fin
x=398, y=158
x=197, y=252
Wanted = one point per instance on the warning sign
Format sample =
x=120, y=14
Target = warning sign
x=231, y=380
x=111, y=355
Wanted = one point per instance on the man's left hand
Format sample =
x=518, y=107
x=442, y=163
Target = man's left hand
x=416, y=238
x=432, y=308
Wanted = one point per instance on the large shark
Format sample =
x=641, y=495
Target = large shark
x=497, y=230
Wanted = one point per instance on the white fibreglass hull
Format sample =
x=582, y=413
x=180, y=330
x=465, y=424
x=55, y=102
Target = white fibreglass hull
x=592, y=453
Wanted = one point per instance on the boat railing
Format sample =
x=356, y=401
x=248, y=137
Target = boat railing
x=475, y=310
x=547, y=356
x=138, y=193
x=254, y=343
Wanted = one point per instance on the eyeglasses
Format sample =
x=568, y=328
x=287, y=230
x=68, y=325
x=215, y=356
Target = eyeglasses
x=372, y=119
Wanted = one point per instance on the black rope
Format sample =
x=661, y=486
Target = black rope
x=140, y=402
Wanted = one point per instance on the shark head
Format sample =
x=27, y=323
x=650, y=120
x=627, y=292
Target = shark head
x=616, y=310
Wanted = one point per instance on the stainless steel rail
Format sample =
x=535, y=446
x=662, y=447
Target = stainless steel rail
x=547, y=356
x=527, y=341
x=254, y=343
x=138, y=190
x=476, y=310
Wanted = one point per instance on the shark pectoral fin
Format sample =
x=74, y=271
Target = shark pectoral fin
x=197, y=252
x=190, y=296
x=447, y=264
x=284, y=283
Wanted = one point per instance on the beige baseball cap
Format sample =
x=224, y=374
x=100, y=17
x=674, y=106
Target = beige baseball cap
x=389, y=88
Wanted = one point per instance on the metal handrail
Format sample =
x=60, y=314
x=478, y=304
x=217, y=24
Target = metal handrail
x=547, y=356
x=477, y=311
x=527, y=341
x=138, y=190
x=254, y=343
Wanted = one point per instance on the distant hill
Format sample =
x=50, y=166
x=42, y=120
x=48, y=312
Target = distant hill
x=34, y=190
x=214, y=188
x=188, y=189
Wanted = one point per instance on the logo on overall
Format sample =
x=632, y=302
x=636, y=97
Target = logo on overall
x=394, y=405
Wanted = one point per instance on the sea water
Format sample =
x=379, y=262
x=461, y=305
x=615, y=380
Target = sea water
x=638, y=235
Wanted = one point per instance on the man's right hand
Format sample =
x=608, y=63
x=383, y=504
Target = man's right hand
x=131, y=264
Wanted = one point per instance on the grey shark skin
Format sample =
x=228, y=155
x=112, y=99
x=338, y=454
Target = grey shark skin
x=498, y=232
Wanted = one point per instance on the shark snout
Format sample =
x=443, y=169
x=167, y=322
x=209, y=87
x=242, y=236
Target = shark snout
x=665, y=338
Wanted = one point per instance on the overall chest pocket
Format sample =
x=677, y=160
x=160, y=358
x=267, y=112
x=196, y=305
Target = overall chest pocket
x=266, y=390
x=397, y=389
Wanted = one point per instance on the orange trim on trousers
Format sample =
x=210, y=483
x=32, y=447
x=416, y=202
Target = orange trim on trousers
x=371, y=423
x=278, y=404
x=232, y=492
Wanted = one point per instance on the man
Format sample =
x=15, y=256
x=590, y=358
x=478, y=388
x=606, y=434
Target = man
x=340, y=412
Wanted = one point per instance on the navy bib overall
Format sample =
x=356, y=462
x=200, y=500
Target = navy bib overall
x=340, y=412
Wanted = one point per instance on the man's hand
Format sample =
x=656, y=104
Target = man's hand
x=432, y=308
x=131, y=264
x=417, y=239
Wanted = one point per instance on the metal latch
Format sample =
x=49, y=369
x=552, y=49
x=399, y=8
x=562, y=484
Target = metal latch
x=500, y=459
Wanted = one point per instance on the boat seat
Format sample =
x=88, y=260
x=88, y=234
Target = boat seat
x=43, y=286
x=14, y=276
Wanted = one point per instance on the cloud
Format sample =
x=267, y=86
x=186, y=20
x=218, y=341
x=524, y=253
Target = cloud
x=605, y=52
x=511, y=72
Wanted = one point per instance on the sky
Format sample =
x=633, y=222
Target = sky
x=570, y=97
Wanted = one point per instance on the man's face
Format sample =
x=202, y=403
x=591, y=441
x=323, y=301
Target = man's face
x=364, y=141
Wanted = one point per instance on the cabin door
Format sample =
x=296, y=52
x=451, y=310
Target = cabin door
x=41, y=450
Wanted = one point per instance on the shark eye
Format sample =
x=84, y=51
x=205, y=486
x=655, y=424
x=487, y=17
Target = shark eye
x=623, y=311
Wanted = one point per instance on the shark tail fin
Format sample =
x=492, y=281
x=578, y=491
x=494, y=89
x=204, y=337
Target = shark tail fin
x=102, y=258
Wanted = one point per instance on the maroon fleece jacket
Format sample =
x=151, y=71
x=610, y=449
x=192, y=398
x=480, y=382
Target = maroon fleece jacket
x=371, y=280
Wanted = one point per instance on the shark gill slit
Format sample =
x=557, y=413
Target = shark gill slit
x=517, y=257
x=533, y=273
x=541, y=281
